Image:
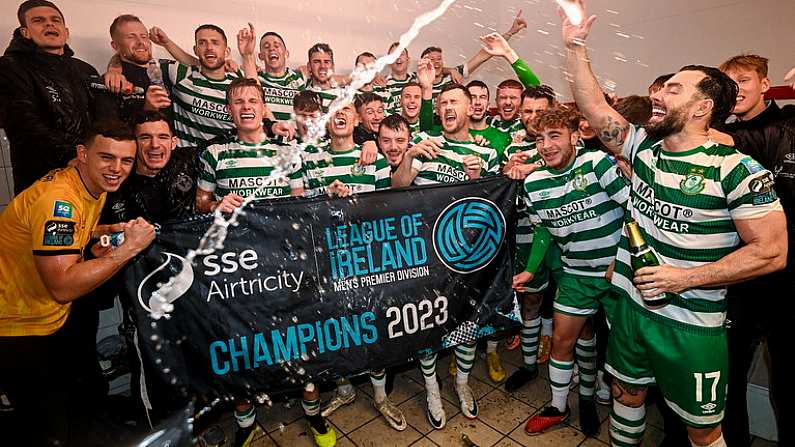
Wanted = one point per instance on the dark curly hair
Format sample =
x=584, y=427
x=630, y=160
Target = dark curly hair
x=718, y=87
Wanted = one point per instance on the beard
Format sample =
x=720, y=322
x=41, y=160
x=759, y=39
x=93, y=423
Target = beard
x=673, y=122
x=137, y=58
x=219, y=62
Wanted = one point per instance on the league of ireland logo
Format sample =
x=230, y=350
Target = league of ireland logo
x=468, y=234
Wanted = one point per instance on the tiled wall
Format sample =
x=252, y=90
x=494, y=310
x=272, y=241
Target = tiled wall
x=6, y=180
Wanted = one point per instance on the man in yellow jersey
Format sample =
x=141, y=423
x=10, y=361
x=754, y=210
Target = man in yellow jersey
x=45, y=230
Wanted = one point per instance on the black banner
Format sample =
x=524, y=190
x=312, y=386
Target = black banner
x=307, y=289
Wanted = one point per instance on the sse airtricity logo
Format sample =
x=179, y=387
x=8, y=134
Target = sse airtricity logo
x=177, y=275
x=468, y=234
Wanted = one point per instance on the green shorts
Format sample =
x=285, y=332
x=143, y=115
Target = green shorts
x=689, y=366
x=581, y=296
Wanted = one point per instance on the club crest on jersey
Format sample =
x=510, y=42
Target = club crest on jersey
x=693, y=183
x=357, y=170
x=579, y=181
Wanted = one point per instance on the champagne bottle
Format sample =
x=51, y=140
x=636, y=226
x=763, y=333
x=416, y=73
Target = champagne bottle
x=154, y=73
x=641, y=255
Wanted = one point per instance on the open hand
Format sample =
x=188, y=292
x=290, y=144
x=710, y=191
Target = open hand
x=575, y=35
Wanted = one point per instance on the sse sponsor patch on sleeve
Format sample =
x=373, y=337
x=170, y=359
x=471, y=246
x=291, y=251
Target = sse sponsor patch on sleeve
x=59, y=234
x=762, y=188
x=62, y=208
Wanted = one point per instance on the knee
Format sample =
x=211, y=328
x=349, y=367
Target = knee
x=704, y=436
x=531, y=305
x=562, y=346
x=632, y=396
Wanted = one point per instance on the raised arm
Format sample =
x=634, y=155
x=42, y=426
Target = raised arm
x=496, y=45
x=247, y=46
x=425, y=75
x=159, y=37
x=610, y=126
x=519, y=23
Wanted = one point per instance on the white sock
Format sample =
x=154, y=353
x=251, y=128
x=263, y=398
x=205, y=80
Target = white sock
x=378, y=379
x=491, y=346
x=345, y=388
x=529, y=336
x=246, y=418
x=627, y=424
x=546, y=327
x=428, y=368
x=560, y=373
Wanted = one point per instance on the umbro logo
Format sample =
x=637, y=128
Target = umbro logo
x=709, y=408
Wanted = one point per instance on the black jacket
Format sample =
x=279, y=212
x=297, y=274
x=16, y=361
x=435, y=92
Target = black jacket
x=362, y=135
x=771, y=115
x=773, y=146
x=770, y=139
x=171, y=194
x=47, y=107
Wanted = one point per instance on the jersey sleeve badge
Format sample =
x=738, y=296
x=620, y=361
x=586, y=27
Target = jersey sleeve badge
x=62, y=208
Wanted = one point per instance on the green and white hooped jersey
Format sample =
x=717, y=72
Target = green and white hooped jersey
x=446, y=79
x=522, y=146
x=582, y=206
x=321, y=166
x=199, y=103
x=326, y=96
x=448, y=166
x=415, y=127
x=391, y=92
x=498, y=123
x=242, y=168
x=524, y=228
x=685, y=204
x=280, y=91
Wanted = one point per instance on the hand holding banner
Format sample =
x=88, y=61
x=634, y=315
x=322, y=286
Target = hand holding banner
x=313, y=289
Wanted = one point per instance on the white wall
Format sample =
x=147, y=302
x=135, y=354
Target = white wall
x=652, y=36
x=663, y=34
